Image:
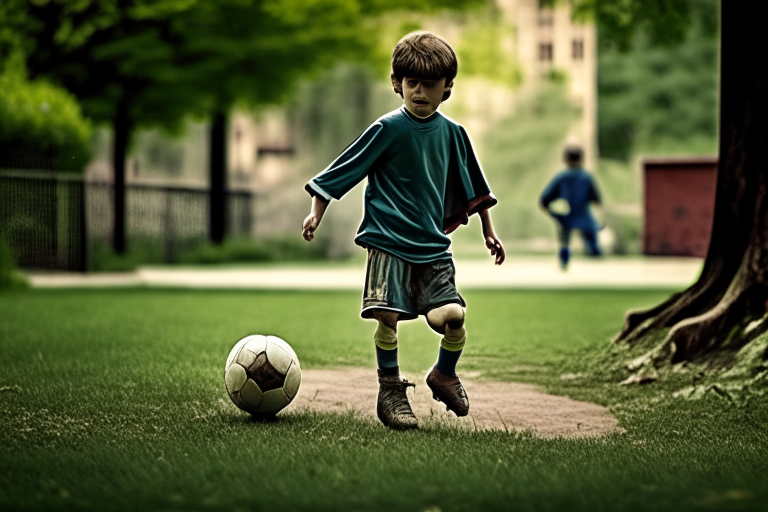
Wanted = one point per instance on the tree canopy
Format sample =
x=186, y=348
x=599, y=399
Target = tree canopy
x=41, y=125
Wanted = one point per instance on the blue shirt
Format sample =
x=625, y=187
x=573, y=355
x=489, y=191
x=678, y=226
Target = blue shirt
x=424, y=180
x=578, y=188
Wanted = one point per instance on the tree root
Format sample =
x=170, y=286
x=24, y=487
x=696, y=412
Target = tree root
x=707, y=291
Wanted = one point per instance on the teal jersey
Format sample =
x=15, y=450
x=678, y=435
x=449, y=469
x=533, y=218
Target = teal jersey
x=424, y=180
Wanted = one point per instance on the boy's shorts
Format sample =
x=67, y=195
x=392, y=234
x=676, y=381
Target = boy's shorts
x=411, y=289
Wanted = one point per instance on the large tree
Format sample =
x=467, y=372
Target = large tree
x=116, y=56
x=725, y=309
x=253, y=52
x=136, y=63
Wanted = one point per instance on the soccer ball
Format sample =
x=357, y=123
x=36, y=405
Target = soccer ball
x=262, y=374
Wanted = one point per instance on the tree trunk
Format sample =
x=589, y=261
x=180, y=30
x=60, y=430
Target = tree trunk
x=121, y=129
x=218, y=178
x=733, y=286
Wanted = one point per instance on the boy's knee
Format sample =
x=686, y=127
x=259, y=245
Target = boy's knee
x=444, y=319
x=385, y=337
x=388, y=318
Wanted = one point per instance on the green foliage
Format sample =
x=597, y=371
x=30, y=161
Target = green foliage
x=664, y=22
x=481, y=51
x=9, y=277
x=43, y=121
x=141, y=419
x=246, y=250
x=522, y=153
x=658, y=99
x=151, y=251
x=142, y=251
x=159, y=62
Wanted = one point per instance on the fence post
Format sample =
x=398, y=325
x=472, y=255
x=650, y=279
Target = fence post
x=82, y=227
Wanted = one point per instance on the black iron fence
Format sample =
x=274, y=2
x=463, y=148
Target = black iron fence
x=58, y=221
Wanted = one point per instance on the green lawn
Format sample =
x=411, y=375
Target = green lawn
x=114, y=400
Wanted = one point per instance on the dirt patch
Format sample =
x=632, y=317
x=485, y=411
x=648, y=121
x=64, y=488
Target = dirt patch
x=508, y=406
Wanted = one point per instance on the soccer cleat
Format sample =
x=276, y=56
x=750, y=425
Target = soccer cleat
x=448, y=389
x=392, y=405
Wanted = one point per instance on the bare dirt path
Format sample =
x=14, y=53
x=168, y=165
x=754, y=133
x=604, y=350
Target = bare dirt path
x=507, y=406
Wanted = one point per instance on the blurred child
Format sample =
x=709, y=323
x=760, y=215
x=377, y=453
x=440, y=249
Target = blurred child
x=567, y=199
x=424, y=181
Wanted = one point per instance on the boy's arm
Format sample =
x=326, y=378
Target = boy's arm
x=492, y=241
x=313, y=219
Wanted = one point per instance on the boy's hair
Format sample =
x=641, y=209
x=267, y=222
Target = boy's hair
x=573, y=154
x=425, y=55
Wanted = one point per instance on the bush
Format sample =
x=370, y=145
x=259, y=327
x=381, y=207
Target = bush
x=9, y=277
x=147, y=251
x=245, y=250
x=41, y=126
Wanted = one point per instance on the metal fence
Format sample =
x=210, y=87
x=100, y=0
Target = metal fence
x=58, y=221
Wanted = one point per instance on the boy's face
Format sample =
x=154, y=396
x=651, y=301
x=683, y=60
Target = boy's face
x=421, y=96
x=573, y=162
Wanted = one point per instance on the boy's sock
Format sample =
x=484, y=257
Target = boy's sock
x=450, y=352
x=564, y=256
x=385, y=339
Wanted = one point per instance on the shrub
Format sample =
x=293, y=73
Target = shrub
x=9, y=278
x=41, y=126
x=244, y=249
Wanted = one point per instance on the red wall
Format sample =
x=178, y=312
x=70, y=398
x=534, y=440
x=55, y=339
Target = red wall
x=679, y=205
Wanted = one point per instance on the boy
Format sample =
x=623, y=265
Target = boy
x=578, y=189
x=423, y=182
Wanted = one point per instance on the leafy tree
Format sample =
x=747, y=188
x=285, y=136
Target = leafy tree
x=727, y=307
x=652, y=96
x=41, y=125
x=154, y=62
x=115, y=56
x=261, y=61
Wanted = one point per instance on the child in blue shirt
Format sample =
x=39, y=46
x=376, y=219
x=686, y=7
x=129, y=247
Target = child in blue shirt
x=424, y=181
x=578, y=189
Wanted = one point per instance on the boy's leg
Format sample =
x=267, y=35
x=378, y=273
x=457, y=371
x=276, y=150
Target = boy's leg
x=385, y=339
x=590, y=243
x=442, y=379
x=392, y=406
x=448, y=320
x=564, y=234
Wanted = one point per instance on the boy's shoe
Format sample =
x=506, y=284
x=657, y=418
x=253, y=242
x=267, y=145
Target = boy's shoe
x=392, y=405
x=448, y=389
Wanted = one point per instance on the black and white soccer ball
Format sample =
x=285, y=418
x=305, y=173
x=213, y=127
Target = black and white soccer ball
x=262, y=374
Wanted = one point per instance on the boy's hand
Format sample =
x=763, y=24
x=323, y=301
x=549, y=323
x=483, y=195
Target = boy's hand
x=313, y=219
x=496, y=248
x=309, y=227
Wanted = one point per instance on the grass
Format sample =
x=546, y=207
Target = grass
x=114, y=400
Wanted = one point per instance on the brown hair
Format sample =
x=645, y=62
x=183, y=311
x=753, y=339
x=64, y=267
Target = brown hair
x=424, y=55
x=573, y=153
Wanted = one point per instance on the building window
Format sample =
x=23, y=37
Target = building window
x=545, y=52
x=546, y=18
x=577, y=49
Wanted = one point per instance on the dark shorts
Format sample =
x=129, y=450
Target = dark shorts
x=411, y=289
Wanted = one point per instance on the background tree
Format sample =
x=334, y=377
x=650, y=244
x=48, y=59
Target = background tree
x=136, y=63
x=41, y=125
x=725, y=309
x=115, y=56
x=260, y=61
x=660, y=99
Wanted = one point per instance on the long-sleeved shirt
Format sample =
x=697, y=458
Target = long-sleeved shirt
x=424, y=180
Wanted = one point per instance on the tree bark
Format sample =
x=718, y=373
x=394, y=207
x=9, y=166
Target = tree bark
x=732, y=289
x=218, y=178
x=121, y=129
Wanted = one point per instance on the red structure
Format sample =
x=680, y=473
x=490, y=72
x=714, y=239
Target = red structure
x=679, y=205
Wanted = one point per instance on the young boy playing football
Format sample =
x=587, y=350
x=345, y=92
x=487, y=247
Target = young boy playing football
x=578, y=189
x=424, y=181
